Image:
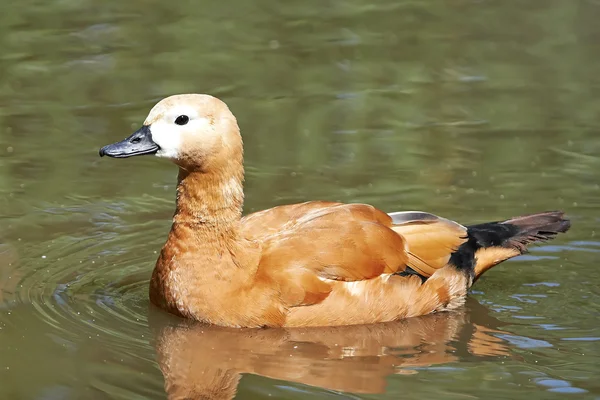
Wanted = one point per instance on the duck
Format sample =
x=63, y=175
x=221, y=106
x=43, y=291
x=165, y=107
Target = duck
x=312, y=264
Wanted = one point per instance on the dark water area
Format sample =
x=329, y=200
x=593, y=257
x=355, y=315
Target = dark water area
x=473, y=110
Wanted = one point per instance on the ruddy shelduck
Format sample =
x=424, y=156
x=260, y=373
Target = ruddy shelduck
x=317, y=263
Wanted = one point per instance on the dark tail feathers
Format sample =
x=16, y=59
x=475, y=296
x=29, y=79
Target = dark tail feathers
x=491, y=243
x=536, y=228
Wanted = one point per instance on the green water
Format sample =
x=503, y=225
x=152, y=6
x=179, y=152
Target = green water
x=474, y=110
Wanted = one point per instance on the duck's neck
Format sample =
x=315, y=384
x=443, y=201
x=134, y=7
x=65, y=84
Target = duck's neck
x=204, y=247
x=210, y=203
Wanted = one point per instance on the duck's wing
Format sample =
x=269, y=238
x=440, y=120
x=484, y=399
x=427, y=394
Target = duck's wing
x=351, y=242
x=431, y=239
x=261, y=224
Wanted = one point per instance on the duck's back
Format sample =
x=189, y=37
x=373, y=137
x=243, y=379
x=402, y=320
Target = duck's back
x=338, y=264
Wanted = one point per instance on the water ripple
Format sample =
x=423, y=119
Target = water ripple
x=92, y=285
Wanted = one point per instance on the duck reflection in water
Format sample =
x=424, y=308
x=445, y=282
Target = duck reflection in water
x=207, y=362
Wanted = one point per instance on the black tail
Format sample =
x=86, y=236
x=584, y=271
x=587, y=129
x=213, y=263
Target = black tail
x=536, y=228
x=491, y=243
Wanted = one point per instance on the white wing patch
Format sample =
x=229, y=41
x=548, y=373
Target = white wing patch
x=357, y=288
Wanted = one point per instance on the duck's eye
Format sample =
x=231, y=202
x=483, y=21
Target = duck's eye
x=182, y=120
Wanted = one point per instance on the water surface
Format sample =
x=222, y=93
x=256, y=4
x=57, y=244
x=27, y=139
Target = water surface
x=474, y=110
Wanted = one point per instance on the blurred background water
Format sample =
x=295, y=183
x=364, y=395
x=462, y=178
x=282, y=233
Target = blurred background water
x=476, y=110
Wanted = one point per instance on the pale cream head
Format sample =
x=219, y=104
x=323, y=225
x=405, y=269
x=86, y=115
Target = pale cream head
x=194, y=130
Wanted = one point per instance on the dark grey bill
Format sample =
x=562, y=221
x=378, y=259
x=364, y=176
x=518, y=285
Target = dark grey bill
x=138, y=144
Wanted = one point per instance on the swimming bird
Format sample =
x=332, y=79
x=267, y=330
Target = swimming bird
x=317, y=263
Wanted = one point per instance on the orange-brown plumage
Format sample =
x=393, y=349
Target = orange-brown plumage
x=310, y=264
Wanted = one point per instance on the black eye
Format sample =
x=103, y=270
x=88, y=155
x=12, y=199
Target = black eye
x=182, y=120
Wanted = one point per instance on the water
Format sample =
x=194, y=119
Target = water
x=474, y=110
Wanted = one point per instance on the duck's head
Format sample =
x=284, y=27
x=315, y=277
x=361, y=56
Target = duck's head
x=195, y=131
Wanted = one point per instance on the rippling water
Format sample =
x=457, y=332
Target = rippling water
x=475, y=110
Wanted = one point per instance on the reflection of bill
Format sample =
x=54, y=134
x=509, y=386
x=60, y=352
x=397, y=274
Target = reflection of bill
x=8, y=278
x=200, y=361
